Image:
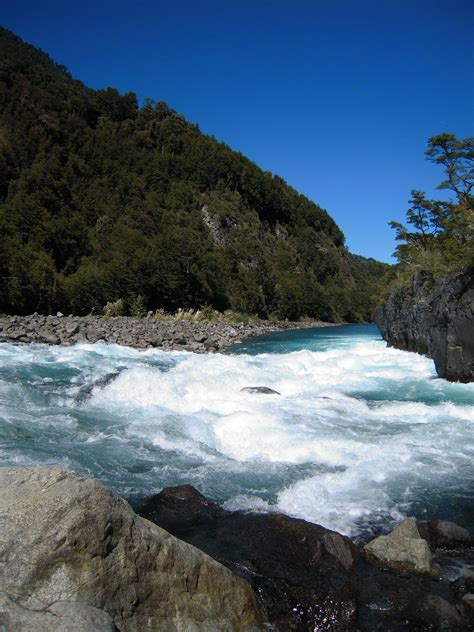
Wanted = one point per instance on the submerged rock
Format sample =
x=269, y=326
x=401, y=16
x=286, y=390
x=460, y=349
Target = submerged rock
x=77, y=557
x=86, y=391
x=264, y=390
x=403, y=549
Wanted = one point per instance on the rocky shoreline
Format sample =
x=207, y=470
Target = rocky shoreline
x=75, y=557
x=140, y=333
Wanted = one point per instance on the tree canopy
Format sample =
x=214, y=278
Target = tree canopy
x=439, y=234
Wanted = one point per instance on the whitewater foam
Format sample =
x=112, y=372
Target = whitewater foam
x=360, y=435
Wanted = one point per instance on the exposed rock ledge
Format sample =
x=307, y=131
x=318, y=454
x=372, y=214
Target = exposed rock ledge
x=436, y=318
x=140, y=333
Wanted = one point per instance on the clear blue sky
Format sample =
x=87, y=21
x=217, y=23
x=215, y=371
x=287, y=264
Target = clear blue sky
x=337, y=96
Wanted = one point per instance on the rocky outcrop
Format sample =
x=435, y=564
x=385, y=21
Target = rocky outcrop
x=141, y=333
x=309, y=578
x=436, y=318
x=301, y=572
x=74, y=557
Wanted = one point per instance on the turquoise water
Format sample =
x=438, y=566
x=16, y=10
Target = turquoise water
x=360, y=436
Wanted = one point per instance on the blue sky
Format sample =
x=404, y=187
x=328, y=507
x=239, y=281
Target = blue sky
x=338, y=97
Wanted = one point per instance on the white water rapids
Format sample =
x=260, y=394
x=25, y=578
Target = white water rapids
x=360, y=436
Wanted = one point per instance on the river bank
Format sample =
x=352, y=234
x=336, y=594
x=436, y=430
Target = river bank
x=139, y=333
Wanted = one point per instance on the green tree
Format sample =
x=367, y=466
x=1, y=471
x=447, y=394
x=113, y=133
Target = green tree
x=440, y=232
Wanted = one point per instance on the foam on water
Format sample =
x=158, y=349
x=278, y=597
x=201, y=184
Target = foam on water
x=360, y=435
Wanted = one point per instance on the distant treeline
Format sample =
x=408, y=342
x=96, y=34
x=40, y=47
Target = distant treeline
x=101, y=200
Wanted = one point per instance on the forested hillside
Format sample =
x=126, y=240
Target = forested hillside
x=101, y=199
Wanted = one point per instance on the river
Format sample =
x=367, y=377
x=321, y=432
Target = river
x=360, y=435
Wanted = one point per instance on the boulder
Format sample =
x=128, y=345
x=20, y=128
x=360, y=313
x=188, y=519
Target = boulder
x=464, y=584
x=264, y=390
x=403, y=549
x=467, y=605
x=435, y=613
x=179, y=508
x=48, y=336
x=444, y=534
x=300, y=571
x=71, y=549
x=389, y=600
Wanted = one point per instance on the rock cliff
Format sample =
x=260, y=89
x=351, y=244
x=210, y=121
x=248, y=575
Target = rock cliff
x=436, y=318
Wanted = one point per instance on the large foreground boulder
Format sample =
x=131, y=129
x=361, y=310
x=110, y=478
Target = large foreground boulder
x=76, y=558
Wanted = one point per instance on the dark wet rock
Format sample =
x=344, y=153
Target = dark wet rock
x=264, y=390
x=180, y=507
x=300, y=571
x=444, y=534
x=101, y=382
x=389, y=600
x=467, y=606
x=434, y=317
x=307, y=577
x=464, y=584
x=76, y=558
x=433, y=612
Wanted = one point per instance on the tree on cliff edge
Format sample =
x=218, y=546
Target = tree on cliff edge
x=440, y=236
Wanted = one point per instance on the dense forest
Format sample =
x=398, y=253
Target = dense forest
x=101, y=199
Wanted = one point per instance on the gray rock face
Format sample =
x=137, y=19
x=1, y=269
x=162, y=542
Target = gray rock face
x=75, y=557
x=434, y=317
x=403, y=549
x=60, y=616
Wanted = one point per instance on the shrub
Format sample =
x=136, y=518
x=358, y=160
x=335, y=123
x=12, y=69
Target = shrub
x=115, y=308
